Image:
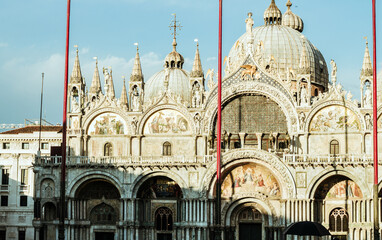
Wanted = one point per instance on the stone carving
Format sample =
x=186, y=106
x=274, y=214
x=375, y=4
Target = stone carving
x=135, y=99
x=368, y=97
x=301, y=179
x=259, y=52
x=196, y=95
x=211, y=83
x=227, y=63
x=249, y=72
x=304, y=97
x=47, y=189
x=368, y=121
x=302, y=118
x=198, y=120
x=75, y=107
x=334, y=118
x=334, y=71
x=134, y=125
x=249, y=23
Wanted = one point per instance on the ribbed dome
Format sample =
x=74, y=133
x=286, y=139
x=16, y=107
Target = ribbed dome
x=175, y=80
x=272, y=15
x=284, y=47
x=292, y=20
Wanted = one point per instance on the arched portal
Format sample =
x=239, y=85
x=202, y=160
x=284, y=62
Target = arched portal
x=335, y=199
x=159, y=205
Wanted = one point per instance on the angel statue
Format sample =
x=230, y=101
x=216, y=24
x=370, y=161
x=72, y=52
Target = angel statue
x=334, y=71
x=210, y=83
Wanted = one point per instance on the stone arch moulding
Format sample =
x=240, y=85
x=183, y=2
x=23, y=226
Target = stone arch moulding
x=82, y=178
x=347, y=104
x=144, y=176
x=268, y=160
x=230, y=208
x=181, y=110
x=258, y=88
x=88, y=119
x=324, y=175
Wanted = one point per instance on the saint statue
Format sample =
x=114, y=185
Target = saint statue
x=249, y=23
x=368, y=98
x=334, y=71
x=304, y=97
x=135, y=103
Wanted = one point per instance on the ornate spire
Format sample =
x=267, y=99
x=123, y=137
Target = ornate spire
x=76, y=76
x=123, y=98
x=367, y=67
x=292, y=20
x=197, y=70
x=272, y=16
x=136, y=74
x=95, y=87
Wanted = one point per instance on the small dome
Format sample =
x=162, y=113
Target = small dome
x=174, y=80
x=174, y=59
x=273, y=15
x=292, y=20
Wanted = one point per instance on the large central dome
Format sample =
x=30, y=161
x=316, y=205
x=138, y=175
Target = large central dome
x=281, y=47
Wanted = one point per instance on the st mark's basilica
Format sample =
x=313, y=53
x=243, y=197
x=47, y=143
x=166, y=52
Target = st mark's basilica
x=142, y=164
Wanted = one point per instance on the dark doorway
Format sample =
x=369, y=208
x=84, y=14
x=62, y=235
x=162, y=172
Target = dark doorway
x=249, y=231
x=104, y=236
x=164, y=236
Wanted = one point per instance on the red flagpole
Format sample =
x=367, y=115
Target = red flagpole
x=61, y=230
x=375, y=129
x=218, y=162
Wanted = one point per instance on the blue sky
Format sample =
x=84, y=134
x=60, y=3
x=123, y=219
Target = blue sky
x=32, y=41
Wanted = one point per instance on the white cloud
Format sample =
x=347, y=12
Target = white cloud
x=211, y=59
x=2, y=44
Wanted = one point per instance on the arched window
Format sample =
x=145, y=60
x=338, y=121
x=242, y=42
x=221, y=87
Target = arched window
x=316, y=92
x=249, y=214
x=163, y=223
x=334, y=147
x=108, y=150
x=166, y=149
x=103, y=214
x=339, y=220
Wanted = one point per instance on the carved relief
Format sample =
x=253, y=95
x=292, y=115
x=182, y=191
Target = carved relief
x=47, y=188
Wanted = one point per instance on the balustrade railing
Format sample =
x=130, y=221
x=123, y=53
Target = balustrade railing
x=327, y=159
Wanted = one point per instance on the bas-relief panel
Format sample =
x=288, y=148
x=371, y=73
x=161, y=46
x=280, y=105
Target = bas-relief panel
x=250, y=178
x=107, y=124
x=167, y=121
x=334, y=118
x=339, y=190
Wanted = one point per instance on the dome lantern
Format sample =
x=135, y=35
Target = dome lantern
x=174, y=59
x=272, y=16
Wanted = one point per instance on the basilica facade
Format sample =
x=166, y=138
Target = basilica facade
x=295, y=146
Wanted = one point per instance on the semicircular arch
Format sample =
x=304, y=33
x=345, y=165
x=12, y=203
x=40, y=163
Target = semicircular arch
x=144, y=176
x=86, y=176
x=237, y=157
x=325, y=174
x=88, y=120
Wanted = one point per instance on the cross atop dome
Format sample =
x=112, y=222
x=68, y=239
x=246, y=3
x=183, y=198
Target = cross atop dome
x=174, y=25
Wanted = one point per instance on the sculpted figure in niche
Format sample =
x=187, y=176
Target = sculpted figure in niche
x=368, y=121
x=368, y=98
x=198, y=120
x=302, y=119
x=75, y=106
x=304, y=96
x=135, y=102
x=272, y=141
x=211, y=83
x=249, y=23
x=134, y=125
x=196, y=98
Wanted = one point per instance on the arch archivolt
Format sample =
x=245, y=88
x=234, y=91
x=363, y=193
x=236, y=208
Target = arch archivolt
x=249, y=87
x=346, y=104
x=144, y=176
x=181, y=110
x=89, y=175
x=238, y=157
x=325, y=174
x=231, y=209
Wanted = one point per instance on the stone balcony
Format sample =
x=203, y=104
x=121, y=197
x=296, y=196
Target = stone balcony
x=130, y=161
x=293, y=160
